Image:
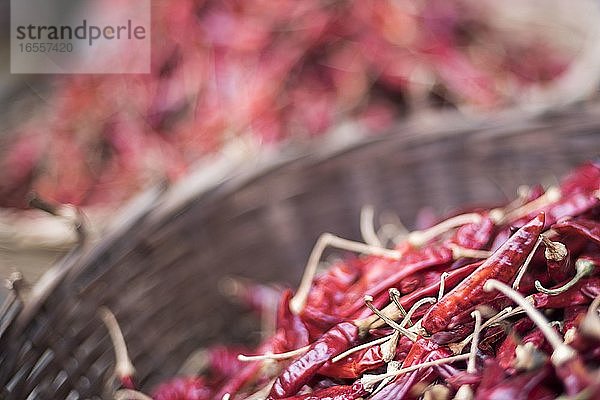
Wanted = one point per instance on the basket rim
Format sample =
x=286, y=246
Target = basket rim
x=222, y=175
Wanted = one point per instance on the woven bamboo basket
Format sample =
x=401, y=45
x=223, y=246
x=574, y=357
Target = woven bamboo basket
x=159, y=269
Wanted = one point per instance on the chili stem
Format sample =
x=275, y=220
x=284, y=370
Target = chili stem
x=360, y=347
x=464, y=391
x=388, y=348
x=497, y=214
x=392, y=366
x=442, y=285
x=123, y=365
x=552, y=194
x=419, y=238
x=298, y=302
x=196, y=363
x=502, y=315
x=562, y=352
x=370, y=380
x=273, y=356
x=523, y=268
x=415, y=307
x=463, y=252
x=367, y=229
x=583, y=267
x=395, y=297
x=471, y=366
x=555, y=251
x=369, y=303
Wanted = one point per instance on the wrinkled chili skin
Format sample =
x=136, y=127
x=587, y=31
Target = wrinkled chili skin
x=475, y=235
x=570, y=205
x=414, y=261
x=423, y=351
x=407, y=301
x=356, y=391
x=336, y=340
x=583, y=292
x=518, y=387
x=580, y=226
x=290, y=325
x=355, y=364
x=502, y=265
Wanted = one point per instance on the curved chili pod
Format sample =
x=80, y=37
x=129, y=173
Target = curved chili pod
x=585, y=178
x=407, y=301
x=580, y=226
x=518, y=387
x=474, y=235
x=418, y=260
x=356, y=391
x=334, y=341
x=583, y=292
x=422, y=351
x=502, y=265
x=364, y=360
x=291, y=326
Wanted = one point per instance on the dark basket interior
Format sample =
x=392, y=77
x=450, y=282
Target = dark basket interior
x=159, y=274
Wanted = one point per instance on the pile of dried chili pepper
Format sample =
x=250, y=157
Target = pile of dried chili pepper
x=491, y=304
x=225, y=69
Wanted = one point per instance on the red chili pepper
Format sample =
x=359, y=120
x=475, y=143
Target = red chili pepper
x=585, y=178
x=517, y=388
x=355, y=364
x=569, y=205
x=291, y=326
x=423, y=350
x=183, y=389
x=506, y=350
x=580, y=226
x=475, y=235
x=250, y=370
x=334, y=341
x=364, y=360
x=559, y=270
x=502, y=265
x=583, y=292
x=452, y=279
x=417, y=260
x=574, y=376
x=353, y=392
x=223, y=362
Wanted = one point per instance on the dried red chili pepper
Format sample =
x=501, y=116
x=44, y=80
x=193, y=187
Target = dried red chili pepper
x=353, y=392
x=452, y=279
x=290, y=325
x=426, y=257
x=364, y=360
x=183, y=389
x=334, y=341
x=585, y=178
x=517, y=387
x=423, y=351
x=502, y=265
x=577, y=295
x=580, y=226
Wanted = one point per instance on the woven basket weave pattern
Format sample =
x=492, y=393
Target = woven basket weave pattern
x=159, y=275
